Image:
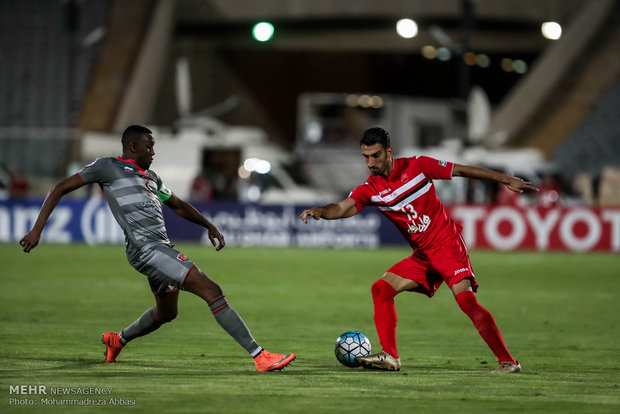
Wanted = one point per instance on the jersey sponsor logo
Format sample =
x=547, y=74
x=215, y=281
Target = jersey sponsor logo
x=182, y=257
x=420, y=225
x=404, y=178
x=464, y=269
x=417, y=223
x=150, y=203
x=442, y=163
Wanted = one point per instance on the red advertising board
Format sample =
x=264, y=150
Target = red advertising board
x=577, y=229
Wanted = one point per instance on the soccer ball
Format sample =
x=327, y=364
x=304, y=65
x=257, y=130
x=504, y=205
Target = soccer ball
x=350, y=345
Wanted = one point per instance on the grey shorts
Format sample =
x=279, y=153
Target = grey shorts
x=165, y=268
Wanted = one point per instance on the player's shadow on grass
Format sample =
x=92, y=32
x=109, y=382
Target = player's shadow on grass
x=299, y=368
x=67, y=362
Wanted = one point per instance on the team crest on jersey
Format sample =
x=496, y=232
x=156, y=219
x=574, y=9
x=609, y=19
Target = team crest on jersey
x=404, y=178
x=182, y=257
x=148, y=184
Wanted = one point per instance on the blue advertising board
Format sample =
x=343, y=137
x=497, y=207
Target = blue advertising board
x=90, y=221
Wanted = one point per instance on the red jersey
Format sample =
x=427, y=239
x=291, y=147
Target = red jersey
x=408, y=199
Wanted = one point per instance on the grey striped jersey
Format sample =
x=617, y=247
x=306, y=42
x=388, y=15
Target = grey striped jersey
x=135, y=196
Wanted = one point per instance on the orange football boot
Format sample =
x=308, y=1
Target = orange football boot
x=266, y=361
x=113, y=346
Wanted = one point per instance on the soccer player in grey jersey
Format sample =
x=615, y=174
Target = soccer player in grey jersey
x=135, y=195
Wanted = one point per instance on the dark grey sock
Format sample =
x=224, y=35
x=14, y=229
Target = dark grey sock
x=145, y=324
x=232, y=323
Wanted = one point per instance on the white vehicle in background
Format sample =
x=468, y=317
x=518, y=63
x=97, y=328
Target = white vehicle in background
x=262, y=172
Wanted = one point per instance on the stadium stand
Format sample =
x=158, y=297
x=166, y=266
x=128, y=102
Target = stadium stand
x=45, y=69
x=593, y=149
x=45, y=66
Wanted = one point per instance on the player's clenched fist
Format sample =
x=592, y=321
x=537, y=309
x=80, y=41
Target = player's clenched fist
x=29, y=241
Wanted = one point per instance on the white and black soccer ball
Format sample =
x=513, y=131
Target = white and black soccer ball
x=350, y=345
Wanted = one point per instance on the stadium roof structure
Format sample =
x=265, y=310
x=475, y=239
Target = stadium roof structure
x=490, y=25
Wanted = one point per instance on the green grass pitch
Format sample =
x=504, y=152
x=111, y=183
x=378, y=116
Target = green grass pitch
x=558, y=313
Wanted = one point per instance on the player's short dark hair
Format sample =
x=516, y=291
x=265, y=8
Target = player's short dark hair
x=376, y=135
x=133, y=132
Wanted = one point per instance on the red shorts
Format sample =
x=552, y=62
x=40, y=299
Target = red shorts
x=449, y=263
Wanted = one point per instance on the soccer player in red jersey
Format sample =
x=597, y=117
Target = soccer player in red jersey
x=402, y=190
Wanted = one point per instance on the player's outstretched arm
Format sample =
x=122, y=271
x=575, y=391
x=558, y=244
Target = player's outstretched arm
x=345, y=208
x=515, y=184
x=189, y=212
x=31, y=239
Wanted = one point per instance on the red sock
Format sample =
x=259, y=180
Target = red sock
x=485, y=324
x=385, y=315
